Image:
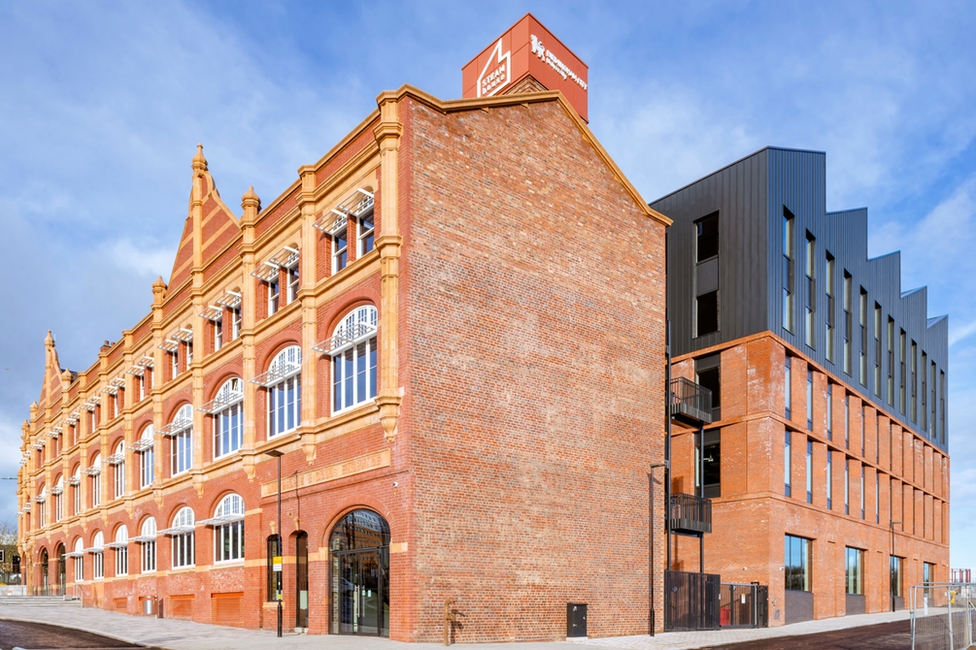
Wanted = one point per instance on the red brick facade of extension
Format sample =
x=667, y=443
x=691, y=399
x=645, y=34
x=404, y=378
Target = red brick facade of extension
x=518, y=283
x=905, y=480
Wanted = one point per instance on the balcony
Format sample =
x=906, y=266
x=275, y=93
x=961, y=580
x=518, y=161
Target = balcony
x=690, y=403
x=690, y=514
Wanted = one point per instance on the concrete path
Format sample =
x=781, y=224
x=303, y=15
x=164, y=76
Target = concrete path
x=175, y=634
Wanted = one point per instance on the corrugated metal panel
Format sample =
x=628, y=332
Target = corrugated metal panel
x=751, y=269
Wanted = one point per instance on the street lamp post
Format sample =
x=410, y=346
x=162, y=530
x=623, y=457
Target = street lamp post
x=276, y=453
x=890, y=558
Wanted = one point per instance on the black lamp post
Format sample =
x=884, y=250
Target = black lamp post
x=276, y=453
x=891, y=587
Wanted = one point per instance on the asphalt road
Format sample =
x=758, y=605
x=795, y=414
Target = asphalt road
x=886, y=636
x=18, y=634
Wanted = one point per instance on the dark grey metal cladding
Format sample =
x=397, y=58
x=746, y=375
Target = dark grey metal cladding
x=738, y=193
x=751, y=270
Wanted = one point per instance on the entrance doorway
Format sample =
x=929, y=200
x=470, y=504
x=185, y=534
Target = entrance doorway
x=360, y=575
x=44, y=572
x=62, y=578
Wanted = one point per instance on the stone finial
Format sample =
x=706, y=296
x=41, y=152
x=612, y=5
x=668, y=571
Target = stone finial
x=49, y=340
x=66, y=377
x=199, y=162
x=251, y=203
x=33, y=409
x=159, y=290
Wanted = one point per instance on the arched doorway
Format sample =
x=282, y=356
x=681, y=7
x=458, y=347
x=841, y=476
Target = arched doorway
x=360, y=575
x=44, y=571
x=62, y=577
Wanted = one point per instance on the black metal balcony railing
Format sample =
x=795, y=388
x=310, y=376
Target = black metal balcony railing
x=688, y=400
x=690, y=514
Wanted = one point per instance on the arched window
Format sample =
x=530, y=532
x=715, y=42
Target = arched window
x=183, y=538
x=148, y=538
x=79, y=555
x=353, y=350
x=58, y=493
x=147, y=457
x=284, y=383
x=118, y=463
x=360, y=529
x=40, y=502
x=95, y=472
x=97, y=551
x=228, y=525
x=228, y=412
x=360, y=539
x=121, y=546
x=181, y=448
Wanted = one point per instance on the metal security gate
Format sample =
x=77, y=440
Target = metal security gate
x=691, y=600
x=743, y=605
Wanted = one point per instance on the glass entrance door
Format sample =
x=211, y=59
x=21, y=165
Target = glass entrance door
x=360, y=574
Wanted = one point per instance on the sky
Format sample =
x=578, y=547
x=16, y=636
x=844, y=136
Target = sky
x=102, y=105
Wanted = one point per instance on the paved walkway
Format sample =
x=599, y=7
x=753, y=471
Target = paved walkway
x=175, y=634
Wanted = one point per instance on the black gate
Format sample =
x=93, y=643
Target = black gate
x=691, y=600
x=744, y=605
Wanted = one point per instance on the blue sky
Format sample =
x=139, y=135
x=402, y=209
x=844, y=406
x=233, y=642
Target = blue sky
x=102, y=105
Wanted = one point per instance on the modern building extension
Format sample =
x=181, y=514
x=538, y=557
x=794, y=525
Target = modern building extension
x=826, y=459
x=445, y=328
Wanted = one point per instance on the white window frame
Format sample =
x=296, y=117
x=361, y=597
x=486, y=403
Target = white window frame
x=274, y=295
x=230, y=417
x=184, y=543
x=122, y=552
x=98, y=557
x=59, y=500
x=79, y=560
x=218, y=328
x=285, y=395
x=147, y=458
x=174, y=356
x=340, y=256
x=293, y=278
x=229, y=537
x=236, y=319
x=189, y=352
x=96, y=482
x=363, y=234
x=351, y=361
x=119, y=475
x=77, y=492
x=149, y=546
x=181, y=452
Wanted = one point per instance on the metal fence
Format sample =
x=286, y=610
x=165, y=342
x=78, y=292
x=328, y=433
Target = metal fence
x=943, y=615
x=744, y=605
x=691, y=600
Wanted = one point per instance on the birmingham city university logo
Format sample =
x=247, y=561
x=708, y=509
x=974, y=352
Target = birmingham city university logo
x=497, y=73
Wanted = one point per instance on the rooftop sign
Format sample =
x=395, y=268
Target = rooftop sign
x=526, y=52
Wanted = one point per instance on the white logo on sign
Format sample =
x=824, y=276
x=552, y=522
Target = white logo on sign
x=553, y=61
x=497, y=73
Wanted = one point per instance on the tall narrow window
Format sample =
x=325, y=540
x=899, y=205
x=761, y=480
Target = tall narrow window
x=121, y=546
x=829, y=335
x=58, y=492
x=218, y=332
x=847, y=421
x=147, y=537
x=895, y=576
x=787, y=270
x=97, y=551
x=145, y=447
x=914, y=382
x=354, y=358
x=847, y=486
x=925, y=410
x=787, y=465
x=95, y=472
x=862, y=429
x=810, y=400
x=79, y=555
x=228, y=414
x=855, y=571
x=810, y=308
x=891, y=361
x=706, y=313
x=797, y=564
x=877, y=498
x=708, y=375
x=809, y=471
x=365, y=225
x=76, y=492
x=863, y=320
x=235, y=322
x=340, y=249
x=181, y=446
x=118, y=462
x=902, y=371
x=274, y=295
x=174, y=363
x=830, y=411
x=942, y=407
x=862, y=491
x=878, y=384
x=830, y=479
x=788, y=389
x=706, y=238
x=293, y=283
x=932, y=402
x=847, y=322
x=284, y=383
x=712, y=464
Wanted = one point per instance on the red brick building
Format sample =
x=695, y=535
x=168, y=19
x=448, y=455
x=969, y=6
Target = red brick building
x=445, y=327
x=826, y=460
